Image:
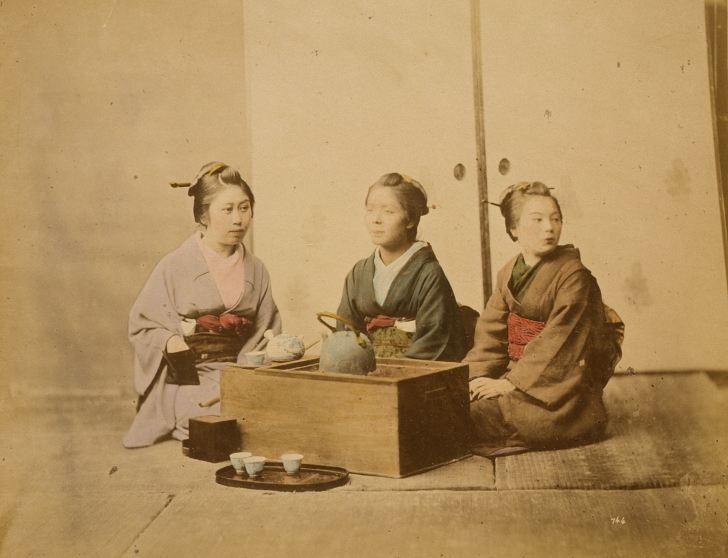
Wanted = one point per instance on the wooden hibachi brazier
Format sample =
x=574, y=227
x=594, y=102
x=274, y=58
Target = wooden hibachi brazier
x=406, y=417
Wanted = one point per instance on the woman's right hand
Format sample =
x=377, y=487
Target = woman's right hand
x=488, y=388
x=176, y=344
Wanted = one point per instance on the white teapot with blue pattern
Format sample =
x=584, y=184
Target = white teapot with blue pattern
x=284, y=347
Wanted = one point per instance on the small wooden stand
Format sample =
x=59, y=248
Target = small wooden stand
x=212, y=438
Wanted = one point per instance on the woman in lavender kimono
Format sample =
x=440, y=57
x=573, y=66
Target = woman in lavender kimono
x=205, y=304
x=545, y=345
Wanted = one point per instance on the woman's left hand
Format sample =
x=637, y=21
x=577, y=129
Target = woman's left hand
x=488, y=388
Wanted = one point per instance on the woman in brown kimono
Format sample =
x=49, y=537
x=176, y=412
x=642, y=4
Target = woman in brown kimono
x=545, y=345
x=205, y=304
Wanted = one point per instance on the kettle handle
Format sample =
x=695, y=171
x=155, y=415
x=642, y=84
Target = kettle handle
x=344, y=321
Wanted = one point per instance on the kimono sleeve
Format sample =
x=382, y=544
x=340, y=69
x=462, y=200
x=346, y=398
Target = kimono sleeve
x=152, y=321
x=489, y=355
x=440, y=334
x=267, y=317
x=553, y=367
x=348, y=307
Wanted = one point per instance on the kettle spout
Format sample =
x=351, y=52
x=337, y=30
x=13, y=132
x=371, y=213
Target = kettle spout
x=324, y=335
x=269, y=334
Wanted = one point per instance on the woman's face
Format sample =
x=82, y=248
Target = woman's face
x=227, y=219
x=386, y=219
x=538, y=229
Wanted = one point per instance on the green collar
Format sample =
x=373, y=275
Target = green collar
x=521, y=277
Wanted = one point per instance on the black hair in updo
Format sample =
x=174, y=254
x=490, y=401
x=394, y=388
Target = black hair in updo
x=212, y=178
x=515, y=197
x=410, y=195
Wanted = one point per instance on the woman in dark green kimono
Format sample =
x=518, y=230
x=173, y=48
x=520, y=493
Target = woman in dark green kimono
x=545, y=345
x=400, y=295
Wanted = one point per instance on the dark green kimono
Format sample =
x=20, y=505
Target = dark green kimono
x=420, y=291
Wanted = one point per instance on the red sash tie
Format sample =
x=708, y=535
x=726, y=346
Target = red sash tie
x=226, y=322
x=520, y=333
x=379, y=322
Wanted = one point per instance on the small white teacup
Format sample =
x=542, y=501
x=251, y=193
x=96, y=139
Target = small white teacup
x=237, y=460
x=256, y=357
x=254, y=465
x=291, y=461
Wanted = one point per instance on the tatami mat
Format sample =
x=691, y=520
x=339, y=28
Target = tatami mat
x=664, y=430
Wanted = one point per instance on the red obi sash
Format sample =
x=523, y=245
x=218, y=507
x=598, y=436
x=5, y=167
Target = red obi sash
x=379, y=322
x=520, y=332
x=227, y=323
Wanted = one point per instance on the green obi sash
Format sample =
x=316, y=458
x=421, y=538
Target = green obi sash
x=389, y=342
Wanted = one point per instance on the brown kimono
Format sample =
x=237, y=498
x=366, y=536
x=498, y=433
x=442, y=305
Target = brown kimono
x=562, y=371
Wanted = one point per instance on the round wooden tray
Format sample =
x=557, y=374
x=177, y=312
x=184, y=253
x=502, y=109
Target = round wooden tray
x=274, y=477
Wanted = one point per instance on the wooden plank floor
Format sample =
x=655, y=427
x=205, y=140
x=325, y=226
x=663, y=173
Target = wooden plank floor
x=689, y=521
x=87, y=525
x=473, y=473
x=69, y=488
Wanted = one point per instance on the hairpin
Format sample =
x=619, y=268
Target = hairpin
x=200, y=174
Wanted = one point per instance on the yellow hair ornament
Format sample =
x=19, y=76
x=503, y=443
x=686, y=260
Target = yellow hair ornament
x=514, y=188
x=216, y=168
x=519, y=187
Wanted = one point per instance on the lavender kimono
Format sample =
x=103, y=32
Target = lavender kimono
x=181, y=286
